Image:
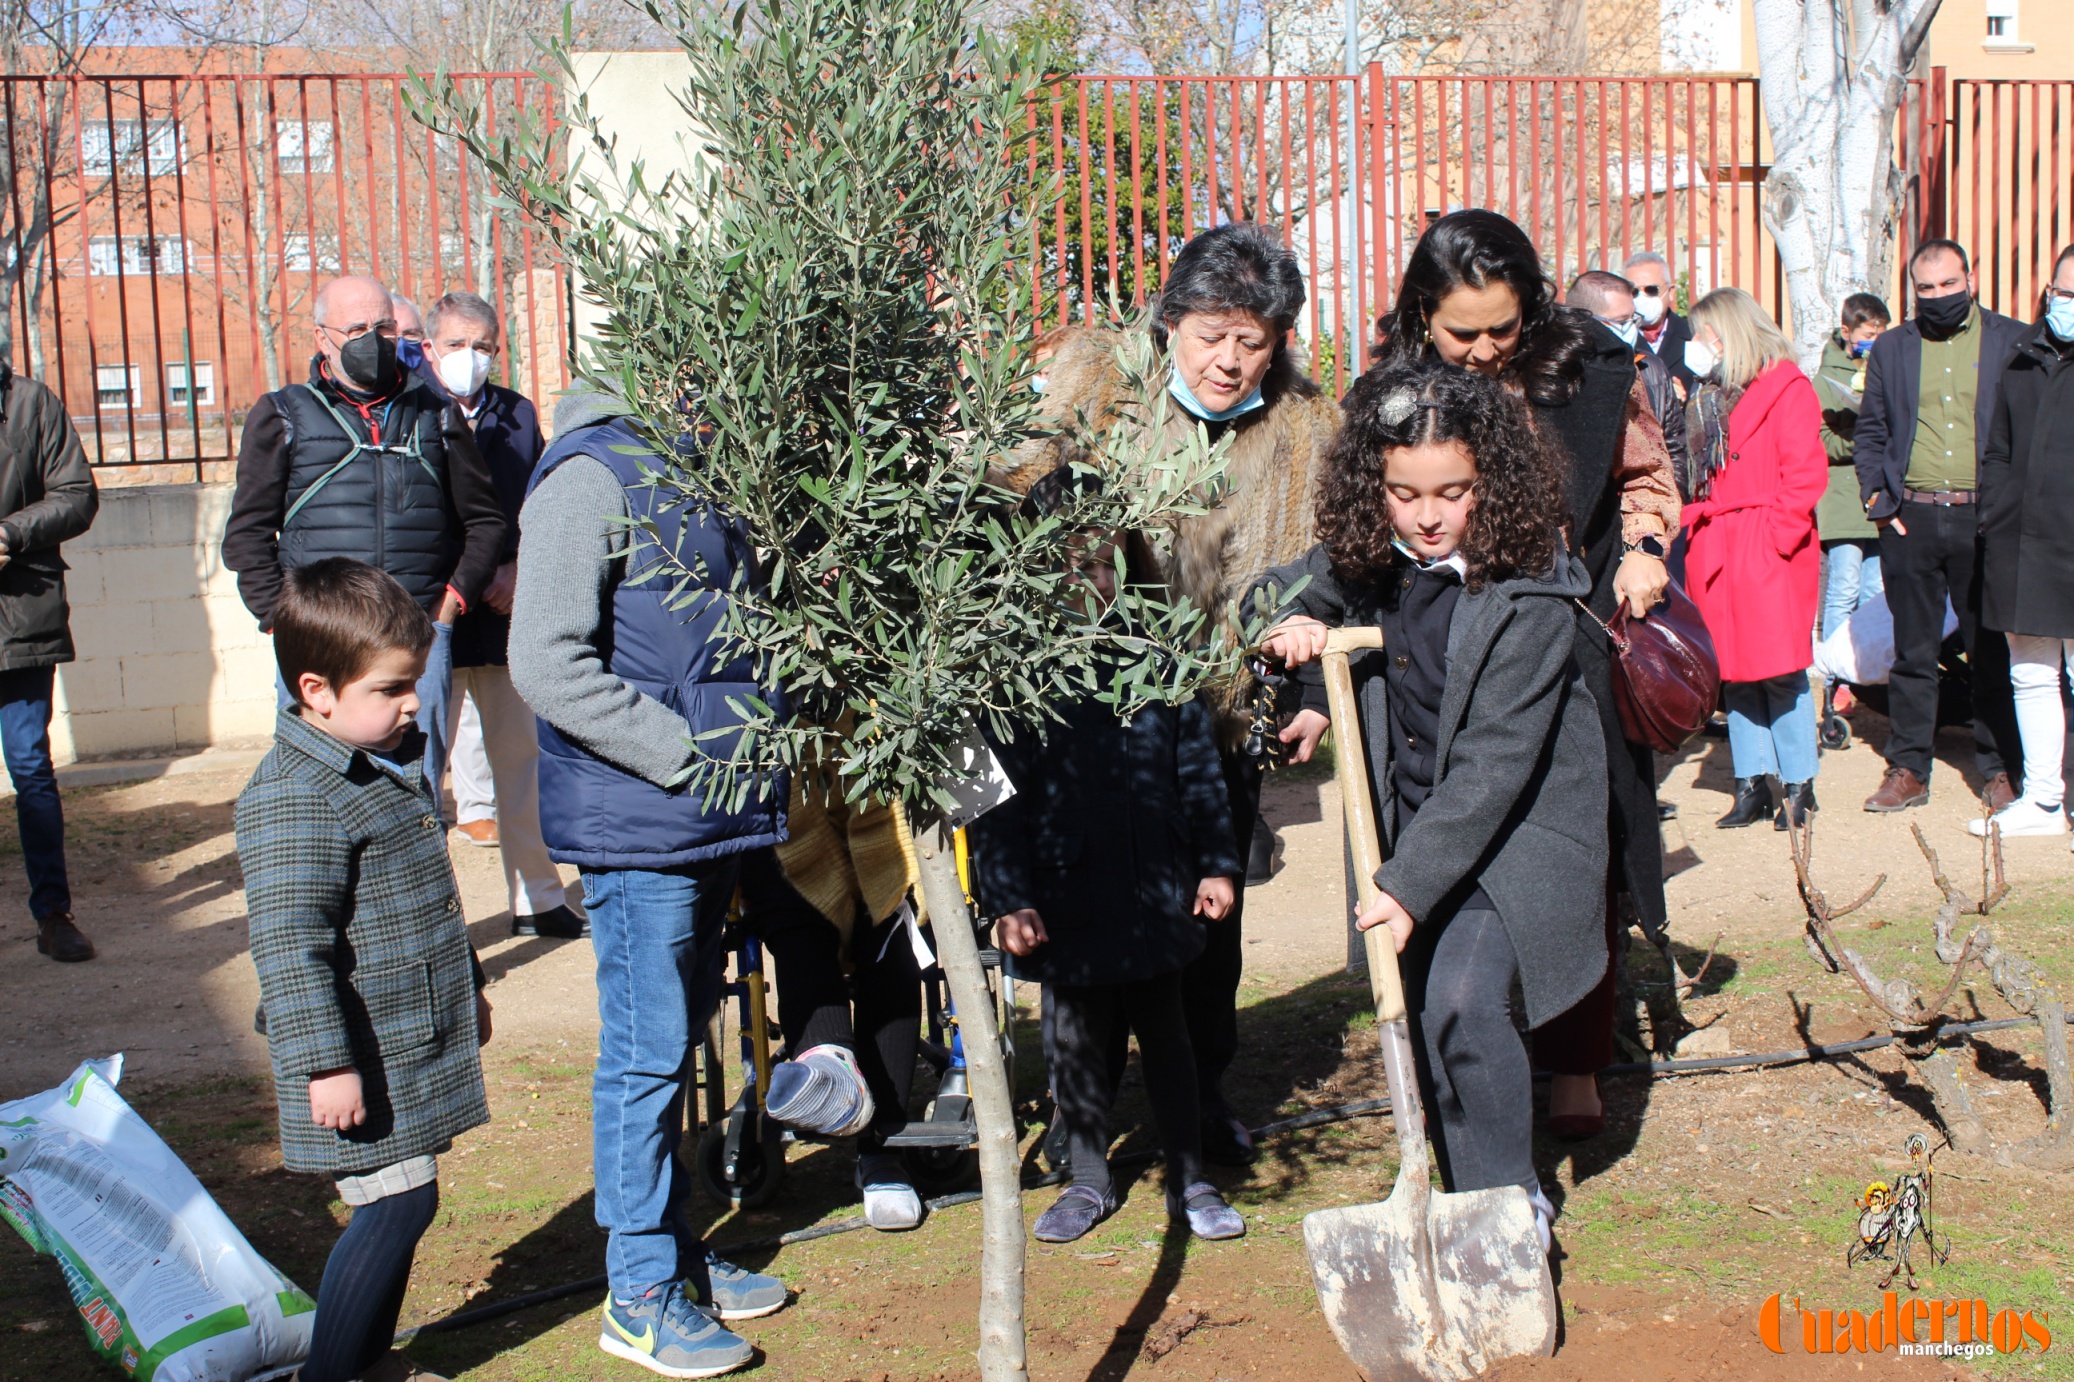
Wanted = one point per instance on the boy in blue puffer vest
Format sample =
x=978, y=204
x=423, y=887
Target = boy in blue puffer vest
x=622, y=684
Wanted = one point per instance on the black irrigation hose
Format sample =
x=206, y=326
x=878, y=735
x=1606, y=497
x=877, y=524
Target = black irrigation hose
x=1337, y=1113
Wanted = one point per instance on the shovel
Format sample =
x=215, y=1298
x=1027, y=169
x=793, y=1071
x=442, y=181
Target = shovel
x=1425, y=1285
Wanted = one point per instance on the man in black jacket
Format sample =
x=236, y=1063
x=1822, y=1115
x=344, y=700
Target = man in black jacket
x=47, y=497
x=1664, y=332
x=1931, y=388
x=365, y=460
x=1612, y=300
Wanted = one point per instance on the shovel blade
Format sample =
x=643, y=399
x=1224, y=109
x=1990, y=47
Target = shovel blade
x=1433, y=1287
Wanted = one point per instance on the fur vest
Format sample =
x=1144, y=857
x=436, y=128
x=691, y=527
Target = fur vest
x=1272, y=475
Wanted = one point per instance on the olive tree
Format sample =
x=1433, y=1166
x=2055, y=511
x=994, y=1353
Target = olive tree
x=823, y=324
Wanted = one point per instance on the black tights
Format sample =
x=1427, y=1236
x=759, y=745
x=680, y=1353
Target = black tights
x=1083, y=1025
x=814, y=996
x=364, y=1280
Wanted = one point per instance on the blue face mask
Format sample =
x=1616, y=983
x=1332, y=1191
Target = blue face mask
x=1629, y=332
x=2059, y=318
x=1859, y=349
x=1187, y=399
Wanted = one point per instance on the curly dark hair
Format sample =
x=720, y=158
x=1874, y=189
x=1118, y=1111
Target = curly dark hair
x=1475, y=249
x=1515, y=529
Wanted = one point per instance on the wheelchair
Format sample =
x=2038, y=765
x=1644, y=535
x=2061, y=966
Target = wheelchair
x=739, y=1156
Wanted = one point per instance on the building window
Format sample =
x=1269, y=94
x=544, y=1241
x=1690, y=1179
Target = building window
x=131, y=147
x=141, y=255
x=2002, y=21
x=115, y=386
x=1998, y=26
x=303, y=146
x=302, y=254
x=204, y=384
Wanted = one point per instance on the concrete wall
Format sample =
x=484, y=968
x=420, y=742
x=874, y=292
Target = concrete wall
x=169, y=660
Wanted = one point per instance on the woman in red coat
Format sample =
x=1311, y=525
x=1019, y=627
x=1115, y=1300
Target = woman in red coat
x=1753, y=559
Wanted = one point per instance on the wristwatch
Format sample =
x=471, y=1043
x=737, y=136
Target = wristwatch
x=1649, y=545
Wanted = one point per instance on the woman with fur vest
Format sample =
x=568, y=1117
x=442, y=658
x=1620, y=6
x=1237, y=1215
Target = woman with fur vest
x=1222, y=323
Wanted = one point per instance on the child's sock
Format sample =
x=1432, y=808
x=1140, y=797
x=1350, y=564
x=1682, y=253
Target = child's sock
x=364, y=1280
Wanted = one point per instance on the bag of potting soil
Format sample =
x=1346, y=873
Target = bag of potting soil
x=168, y=1288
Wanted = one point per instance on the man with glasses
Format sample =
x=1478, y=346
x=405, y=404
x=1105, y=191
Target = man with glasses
x=1612, y=300
x=1664, y=332
x=1932, y=385
x=366, y=460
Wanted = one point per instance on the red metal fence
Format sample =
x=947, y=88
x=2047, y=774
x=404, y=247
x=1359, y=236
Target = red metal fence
x=162, y=236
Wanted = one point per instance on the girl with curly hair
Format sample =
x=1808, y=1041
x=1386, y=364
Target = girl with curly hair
x=1440, y=514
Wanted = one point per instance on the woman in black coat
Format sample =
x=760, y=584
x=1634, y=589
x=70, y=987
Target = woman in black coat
x=1474, y=294
x=1104, y=871
x=2027, y=565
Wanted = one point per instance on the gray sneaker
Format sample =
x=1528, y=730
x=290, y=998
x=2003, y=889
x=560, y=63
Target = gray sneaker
x=666, y=1334
x=728, y=1292
x=1203, y=1209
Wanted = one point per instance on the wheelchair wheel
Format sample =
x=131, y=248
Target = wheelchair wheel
x=759, y=1163
x=941, y=1170
x=1835, y=732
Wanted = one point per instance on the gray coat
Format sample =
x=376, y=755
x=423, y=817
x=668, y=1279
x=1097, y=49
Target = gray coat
x=1519, y=792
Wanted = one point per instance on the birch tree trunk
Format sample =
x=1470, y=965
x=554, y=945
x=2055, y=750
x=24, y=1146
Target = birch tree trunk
x=1834, y=72
x=1002, y=1356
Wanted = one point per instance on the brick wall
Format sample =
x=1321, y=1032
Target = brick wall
x=169, y=659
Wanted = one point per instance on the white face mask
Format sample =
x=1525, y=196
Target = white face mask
x=1701, y=358
x=1650, y=308
x=463, y=371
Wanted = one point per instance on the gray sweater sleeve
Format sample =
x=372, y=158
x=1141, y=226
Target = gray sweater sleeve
x=569, y=540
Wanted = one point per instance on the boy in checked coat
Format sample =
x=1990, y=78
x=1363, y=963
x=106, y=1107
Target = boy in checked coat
x=369, y=990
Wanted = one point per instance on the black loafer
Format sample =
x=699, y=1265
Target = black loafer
x=556, y=923
x=58, y=938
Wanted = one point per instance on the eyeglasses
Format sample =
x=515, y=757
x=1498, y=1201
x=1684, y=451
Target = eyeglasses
x=1651, y=290
x=2059, y=294
x=385, y=327
x=1631, y=319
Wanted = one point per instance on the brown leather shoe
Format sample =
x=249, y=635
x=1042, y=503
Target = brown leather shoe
x=1999, y=792
x=58, y=938
x=1899, y=790
x=482, y=833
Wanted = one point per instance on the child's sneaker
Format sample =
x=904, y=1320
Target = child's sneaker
x=2023, y=817
x=890, y=1202
x=1203, y=1209
x=821, y=1092
x=1073, y=1214
x=728, y=1292
x=665, y=1333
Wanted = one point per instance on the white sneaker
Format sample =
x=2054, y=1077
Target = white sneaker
x=2022, y=817
x=891, y=1205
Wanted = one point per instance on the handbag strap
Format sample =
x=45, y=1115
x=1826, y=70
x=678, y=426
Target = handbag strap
x=1619, y=640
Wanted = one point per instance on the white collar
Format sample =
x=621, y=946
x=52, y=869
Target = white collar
x=1453, y=561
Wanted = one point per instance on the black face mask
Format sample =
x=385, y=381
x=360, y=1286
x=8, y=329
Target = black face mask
x=369, y=362
x=1941, y=318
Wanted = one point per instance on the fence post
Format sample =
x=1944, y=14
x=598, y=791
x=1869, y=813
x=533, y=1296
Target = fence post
x=1931, y=164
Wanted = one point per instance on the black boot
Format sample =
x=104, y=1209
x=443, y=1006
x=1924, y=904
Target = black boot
x=1799, y=801
x=1753, y=803
x=1260, y=856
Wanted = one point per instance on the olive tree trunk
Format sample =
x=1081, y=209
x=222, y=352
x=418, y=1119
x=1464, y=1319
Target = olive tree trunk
x=1002, y=1356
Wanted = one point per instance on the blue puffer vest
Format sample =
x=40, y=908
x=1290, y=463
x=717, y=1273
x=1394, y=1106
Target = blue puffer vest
x=384, y=503
x=593, y=814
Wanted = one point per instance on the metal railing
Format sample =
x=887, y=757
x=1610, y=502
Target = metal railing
x=161, y=236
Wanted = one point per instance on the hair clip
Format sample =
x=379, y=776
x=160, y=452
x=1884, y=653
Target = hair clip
x=1397, y=408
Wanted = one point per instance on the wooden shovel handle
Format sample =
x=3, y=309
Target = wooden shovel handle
x=1358, y=804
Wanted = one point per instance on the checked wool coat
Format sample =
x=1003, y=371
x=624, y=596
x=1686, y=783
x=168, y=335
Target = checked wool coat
x=362, y=951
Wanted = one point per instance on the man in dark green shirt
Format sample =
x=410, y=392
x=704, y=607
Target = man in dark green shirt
x=1930, y=389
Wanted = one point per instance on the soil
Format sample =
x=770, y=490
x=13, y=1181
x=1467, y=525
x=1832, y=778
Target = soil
x=1703, y=1197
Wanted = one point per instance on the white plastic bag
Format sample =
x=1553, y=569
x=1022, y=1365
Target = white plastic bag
x=168, y=1288
x=1862, y=651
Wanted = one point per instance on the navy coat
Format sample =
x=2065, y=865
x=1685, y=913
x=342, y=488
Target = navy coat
x=1893, y=398
x=1110, y=829
x=507, y=434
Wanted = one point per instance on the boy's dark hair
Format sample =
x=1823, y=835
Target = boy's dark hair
x=1516, y=527
x=336, y=616
x=1860, y=308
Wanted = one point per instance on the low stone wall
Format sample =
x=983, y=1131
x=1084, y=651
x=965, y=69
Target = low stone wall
x=170, y=661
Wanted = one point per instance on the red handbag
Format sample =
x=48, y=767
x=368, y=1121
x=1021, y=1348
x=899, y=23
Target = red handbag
x=1666, y=679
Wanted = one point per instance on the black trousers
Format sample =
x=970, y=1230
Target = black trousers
x=815, y=997
x=1084, y=1026
x=1210, y=984
x=1939, y=558
x=1473, y=1071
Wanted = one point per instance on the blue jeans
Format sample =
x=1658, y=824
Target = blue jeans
x=435, y=688
x=25, y=743
x=1771, y=727
x=1854, y=578
x=657, y=935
